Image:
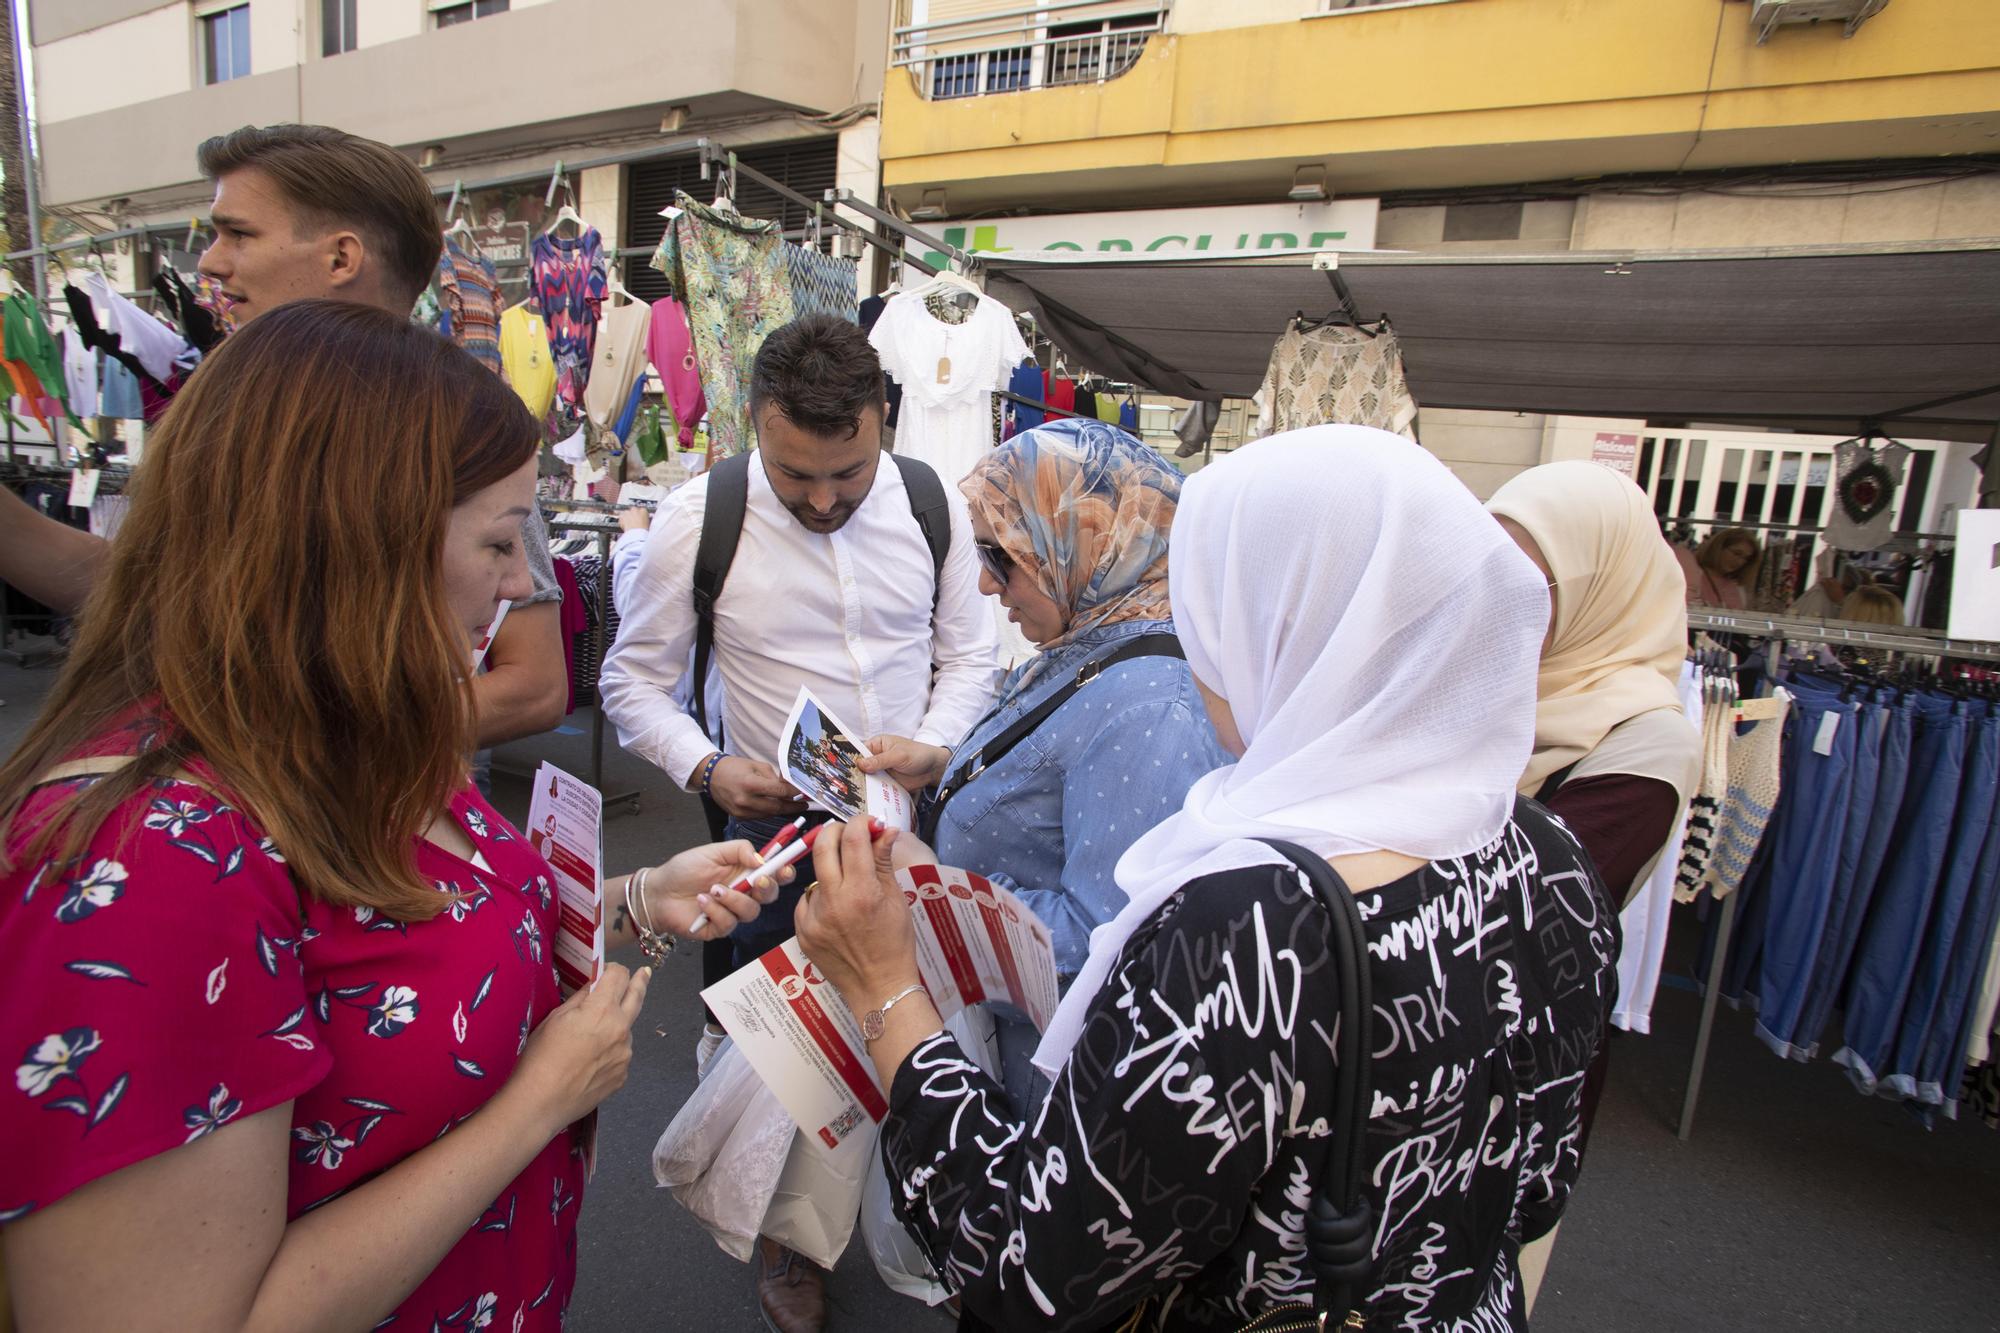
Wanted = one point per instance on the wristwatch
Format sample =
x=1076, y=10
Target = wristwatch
x=875, y=1022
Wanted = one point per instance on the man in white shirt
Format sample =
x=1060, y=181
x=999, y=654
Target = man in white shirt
x=833, y=586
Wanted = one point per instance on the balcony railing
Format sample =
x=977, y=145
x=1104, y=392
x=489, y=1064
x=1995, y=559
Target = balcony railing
x=1056, y=45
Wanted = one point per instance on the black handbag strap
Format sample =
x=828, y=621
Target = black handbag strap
x=1340, y=1225
x=989, y=754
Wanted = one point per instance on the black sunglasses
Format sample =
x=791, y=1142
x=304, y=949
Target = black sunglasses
x=993, y=560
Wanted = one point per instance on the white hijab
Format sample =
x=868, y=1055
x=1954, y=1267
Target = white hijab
x=1376, y=636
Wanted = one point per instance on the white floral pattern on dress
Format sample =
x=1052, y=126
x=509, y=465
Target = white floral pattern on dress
x=59, y=1056
x=101, y=887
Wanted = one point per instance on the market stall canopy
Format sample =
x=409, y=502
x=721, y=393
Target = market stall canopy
x=1827, y=339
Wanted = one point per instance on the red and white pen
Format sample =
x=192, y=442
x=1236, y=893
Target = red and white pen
x=783, y=836
x=784, y=856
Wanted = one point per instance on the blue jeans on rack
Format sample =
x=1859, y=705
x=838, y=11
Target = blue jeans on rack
x=1805, y=856
x=1885, y=735
x=1892, y=938
x=1944, y=1057
x=1933, y=1004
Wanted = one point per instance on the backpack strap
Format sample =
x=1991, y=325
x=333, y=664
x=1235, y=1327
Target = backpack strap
x=932, y=512
x=1340, y=1225
x=1139, y=645
x=721, y=529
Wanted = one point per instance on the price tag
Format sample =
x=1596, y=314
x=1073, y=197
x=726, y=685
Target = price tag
x=1829, y=727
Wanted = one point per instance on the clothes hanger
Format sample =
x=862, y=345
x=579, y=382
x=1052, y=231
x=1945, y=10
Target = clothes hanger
x=567, y=214
x=1336, y=318
x=725, y=188
x=612, y=285
x=946, y=279
x=458, y=213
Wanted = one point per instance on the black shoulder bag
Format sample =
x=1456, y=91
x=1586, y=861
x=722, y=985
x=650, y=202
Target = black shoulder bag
x=989, y=754
x=1340, y=1226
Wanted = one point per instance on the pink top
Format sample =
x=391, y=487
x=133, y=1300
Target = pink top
x=1706, y=589
x=670, y=346
x=168, y=984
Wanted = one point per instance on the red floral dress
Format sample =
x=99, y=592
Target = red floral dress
x=171, y=982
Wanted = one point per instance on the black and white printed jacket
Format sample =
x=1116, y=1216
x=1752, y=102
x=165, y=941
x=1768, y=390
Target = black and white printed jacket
x=1180, y=1145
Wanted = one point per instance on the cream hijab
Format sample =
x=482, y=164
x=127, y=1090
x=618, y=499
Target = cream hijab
x=1620, y=607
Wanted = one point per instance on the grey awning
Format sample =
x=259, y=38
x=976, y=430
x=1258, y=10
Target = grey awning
x=1826, y=339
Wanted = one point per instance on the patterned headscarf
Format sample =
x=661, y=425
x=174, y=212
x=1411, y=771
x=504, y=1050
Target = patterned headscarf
x=1085, y=509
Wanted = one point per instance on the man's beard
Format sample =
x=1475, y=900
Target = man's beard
x=813, y=522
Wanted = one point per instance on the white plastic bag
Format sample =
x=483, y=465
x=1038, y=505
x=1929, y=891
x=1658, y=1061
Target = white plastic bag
x=725, y=1151
x=899, y=1260
x=818, y=1196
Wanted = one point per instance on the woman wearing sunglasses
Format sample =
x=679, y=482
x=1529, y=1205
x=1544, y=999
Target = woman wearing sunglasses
x=1100, y=735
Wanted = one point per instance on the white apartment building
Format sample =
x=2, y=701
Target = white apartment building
x=491, y=94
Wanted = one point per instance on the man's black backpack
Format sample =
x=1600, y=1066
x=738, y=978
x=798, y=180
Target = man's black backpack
x=722, y=527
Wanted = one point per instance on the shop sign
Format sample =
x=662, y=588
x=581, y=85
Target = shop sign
x=1620, y=453
x=1339, y=224
x=503, y=243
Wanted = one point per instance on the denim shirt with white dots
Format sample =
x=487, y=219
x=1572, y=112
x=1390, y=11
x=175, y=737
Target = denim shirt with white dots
x=1052, y=817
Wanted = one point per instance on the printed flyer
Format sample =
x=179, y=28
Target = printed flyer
x=821, y=758
x=975, y=943
x=566, y=825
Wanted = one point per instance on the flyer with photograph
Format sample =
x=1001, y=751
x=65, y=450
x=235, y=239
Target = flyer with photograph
x=975, y=943
x=566, y=825
x=820, y=756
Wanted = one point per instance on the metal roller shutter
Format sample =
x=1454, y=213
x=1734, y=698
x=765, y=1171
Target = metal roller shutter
x=805, y=165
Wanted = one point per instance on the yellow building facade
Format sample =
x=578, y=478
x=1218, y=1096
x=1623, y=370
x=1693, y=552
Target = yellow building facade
x=1480, y=125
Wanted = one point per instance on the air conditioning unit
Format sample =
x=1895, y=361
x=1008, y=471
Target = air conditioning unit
x=1766, y=16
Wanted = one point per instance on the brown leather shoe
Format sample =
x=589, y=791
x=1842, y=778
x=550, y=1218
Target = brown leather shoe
x=791, y=1289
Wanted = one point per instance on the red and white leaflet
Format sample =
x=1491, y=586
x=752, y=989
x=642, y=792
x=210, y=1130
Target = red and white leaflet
x=975, y=943
x=978, y=942
x=804, y=1042
x=566, y=825
x=486, y=640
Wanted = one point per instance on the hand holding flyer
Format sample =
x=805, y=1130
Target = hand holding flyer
x=975, y=943
x=819, y=756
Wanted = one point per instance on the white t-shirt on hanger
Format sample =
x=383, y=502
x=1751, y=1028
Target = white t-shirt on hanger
x=948, y=373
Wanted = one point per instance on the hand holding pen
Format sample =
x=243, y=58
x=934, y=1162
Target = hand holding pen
x=782, y=851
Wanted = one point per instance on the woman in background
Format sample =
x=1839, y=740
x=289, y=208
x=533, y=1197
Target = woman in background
x=1616, y=757
x=1872, y=604
x=1722, y=571
x=1070, y=521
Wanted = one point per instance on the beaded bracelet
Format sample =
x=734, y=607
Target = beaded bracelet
x=708, y=773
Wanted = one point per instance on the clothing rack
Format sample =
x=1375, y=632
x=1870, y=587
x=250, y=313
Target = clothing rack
x=1907, y=639
x=629, y=800
x=846, y=198
x=1038, y=404
x=1776, y=630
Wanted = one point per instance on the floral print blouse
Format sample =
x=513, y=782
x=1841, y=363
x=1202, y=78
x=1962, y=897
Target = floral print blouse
x=176, y=979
